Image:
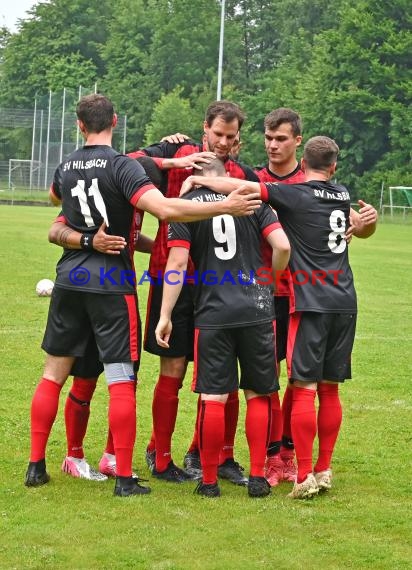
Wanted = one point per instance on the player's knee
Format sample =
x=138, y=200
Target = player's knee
x=119, y=372
x=175, y=367
x=215, y=398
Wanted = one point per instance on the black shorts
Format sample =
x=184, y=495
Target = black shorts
x=89, y=365
x=218, y=351
x=75, y=317
x=320, y=346
x=181, y=339
x=282, y=325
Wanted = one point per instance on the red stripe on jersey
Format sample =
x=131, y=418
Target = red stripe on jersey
x=136, y=197
x=133, y=326
x=294, y=322
x=264, y=192
x=158, y=161
x=178, y=243
x=269, y=229
x=136, y=154
x=61, y=219
x=195, y=359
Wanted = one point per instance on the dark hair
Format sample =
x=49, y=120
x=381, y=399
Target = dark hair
x=283, y=115
x=214, y=168
x=320, y=153
x=155, y=174
x=96, y=112
x=225, y=109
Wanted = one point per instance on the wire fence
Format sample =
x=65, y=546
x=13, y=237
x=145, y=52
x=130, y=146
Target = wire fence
x=34, y=141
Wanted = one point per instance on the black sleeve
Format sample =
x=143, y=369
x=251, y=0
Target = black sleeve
x=267, y=216
x=250, y=174
x=165, y=149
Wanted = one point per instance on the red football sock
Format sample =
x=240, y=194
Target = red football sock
x=44, y=406
x=164, y=410
x=329, y=422
x=109, y=443
x=276, y=425
x=211, y=437
x=194, y=446
x=287, y=401
x=76, y=414
x=231, y=418
x=122, y=424
x=258, y=418
x=303, y=429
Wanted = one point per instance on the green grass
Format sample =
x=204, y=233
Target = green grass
x=364, y=522
x=24, y=195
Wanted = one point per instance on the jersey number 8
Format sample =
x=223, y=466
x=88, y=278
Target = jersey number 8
x=337, y=222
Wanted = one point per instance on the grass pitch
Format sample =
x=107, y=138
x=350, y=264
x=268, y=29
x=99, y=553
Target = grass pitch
x=364, y=522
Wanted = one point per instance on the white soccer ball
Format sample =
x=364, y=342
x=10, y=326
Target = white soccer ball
x=44, y=287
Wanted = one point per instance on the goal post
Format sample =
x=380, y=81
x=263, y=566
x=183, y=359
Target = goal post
x=24, y=173
x=400, y=199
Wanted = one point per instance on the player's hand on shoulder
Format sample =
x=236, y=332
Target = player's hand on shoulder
x=243, y=204
x=187, y=185
x=106, y=243
x=176, y=138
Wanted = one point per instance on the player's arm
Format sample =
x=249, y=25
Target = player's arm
x=163, y=154
x=193, y=160
x=362, y=223
x=64, y=236
x=172, y=286
x=144, y=244
x=221, y=184
x=177, y=210
x=279, y=242
x=53, y=196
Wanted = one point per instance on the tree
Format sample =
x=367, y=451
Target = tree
x=60, y=39
x=125, y=53
x=357, y=83
x=171, y=114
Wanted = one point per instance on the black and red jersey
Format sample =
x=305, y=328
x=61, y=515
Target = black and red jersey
x=231, y=288
x=315, y=217
x=266, y=175
x=283, y=283
x=96, y=184
x=175, y=179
